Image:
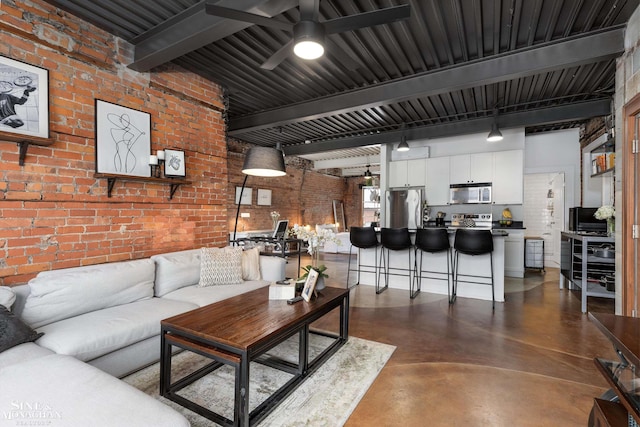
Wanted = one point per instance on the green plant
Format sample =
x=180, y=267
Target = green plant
x=320, y=269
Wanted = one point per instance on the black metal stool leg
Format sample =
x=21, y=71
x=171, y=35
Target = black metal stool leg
x=456, y=261
x=415, y=284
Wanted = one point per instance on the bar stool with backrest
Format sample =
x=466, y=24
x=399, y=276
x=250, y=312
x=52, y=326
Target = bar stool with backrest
x=473, y=242
x=394, y=239
x=363, y=238
x=431, y=240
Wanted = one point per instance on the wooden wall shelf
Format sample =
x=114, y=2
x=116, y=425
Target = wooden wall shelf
x=23, y=142
x=174, y=183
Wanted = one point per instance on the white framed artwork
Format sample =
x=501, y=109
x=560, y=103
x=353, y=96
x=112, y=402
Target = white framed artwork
x=247, y=195
x=123, y=140
x=264, y=197
x=24, y=98
x=174, y=165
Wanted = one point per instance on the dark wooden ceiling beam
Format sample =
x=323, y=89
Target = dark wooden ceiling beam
x=569, y=112
x=588, y=48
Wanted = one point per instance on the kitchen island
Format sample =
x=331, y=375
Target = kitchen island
x=469, y=265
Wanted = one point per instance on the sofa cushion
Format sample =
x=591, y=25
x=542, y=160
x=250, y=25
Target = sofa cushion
x=251, y=264
x=7, y=296
x=94, y=334
x=208, y=295
x=21, y=353
x=62, y=391
x=220, y=266
x=13, y=331
x=175, y=270
x=60, y=294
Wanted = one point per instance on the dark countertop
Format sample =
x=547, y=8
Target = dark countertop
x=516, y=225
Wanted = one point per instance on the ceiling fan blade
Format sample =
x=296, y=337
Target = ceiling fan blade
x=367, y=19
x=342, y=56
x=238, y=15
x=309, y=10
x=279, y=56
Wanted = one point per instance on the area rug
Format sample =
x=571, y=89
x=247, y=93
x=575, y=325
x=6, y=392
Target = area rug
x=326, y=398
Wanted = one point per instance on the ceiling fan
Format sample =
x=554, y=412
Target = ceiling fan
x=309, y=33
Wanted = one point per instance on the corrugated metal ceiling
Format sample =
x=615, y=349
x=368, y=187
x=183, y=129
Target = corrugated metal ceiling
x=441, y=72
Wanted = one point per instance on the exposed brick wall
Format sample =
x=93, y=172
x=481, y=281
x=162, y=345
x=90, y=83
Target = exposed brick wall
x=303, y=196
x=53, y=212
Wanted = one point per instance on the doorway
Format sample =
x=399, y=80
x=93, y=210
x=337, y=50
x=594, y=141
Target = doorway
x=544, y=211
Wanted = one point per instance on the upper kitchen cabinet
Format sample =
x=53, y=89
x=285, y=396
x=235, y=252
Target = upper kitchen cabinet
x=471, y=168
x=407, y=173
x=437, y=185
x=507, y=184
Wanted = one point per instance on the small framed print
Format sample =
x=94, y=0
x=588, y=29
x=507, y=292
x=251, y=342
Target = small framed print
x=174, y=164
x=264, y=197
x=310, y=284
x=247, y=195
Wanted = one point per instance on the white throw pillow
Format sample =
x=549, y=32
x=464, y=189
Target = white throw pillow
x=220, y=266
x=7, y=296
x=251, y=264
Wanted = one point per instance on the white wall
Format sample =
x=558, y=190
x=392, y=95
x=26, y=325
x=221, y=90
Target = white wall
x=557, y=151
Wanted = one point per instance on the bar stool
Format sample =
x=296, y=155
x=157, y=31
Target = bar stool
x=393, y=239
x=363, y=238
x=431, y=240
x=473, y=242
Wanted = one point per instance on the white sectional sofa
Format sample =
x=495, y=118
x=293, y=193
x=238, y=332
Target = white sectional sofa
x=105, y=316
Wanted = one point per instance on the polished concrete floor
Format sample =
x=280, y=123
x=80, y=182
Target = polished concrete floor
x=528, y=363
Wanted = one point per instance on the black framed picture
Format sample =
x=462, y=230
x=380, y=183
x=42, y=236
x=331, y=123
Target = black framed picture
x=123, y=140
x=24, y=97
x=174, y=164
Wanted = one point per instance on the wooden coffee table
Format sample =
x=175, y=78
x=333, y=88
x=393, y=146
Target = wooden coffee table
x=239, y=330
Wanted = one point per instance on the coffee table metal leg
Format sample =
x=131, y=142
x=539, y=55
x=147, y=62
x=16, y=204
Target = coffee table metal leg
x=165, y=365
x=303, y=350
x=242, y=392
x=344, y=318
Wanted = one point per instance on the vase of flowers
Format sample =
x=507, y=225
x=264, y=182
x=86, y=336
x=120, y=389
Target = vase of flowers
x=608, y=213
x=275, y=215
x=315, y=240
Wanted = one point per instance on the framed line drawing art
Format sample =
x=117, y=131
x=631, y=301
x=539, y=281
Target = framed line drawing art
x=174, y=165
x=310, y=284
x=247, y=195
x=123, y=140
x=264, y=197
x=24, y=97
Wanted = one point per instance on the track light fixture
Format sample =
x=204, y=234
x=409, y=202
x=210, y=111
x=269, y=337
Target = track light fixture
x=403, y=146
x=495, y=134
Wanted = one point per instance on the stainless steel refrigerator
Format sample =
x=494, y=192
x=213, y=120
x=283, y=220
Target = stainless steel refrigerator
x=404, y=207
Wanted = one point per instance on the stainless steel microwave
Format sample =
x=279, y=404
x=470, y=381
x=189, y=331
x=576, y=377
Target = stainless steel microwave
x=479, y=192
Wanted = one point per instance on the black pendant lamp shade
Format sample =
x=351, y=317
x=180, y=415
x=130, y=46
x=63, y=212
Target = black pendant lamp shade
x=264, y=161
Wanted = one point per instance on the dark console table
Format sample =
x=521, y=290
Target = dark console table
x=623, y=409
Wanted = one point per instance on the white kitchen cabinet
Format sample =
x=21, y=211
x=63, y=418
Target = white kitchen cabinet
x=468, y=168
x=514, y=253
x=508, y=178
x=437, y=181
x=407, y=173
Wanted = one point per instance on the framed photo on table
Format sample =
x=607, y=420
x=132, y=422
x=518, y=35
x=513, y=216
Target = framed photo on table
x=24, y=97
x=123, y=140
x=310, y=284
